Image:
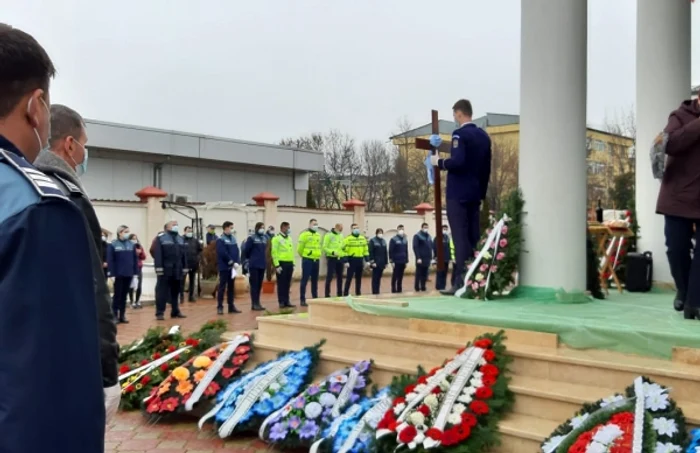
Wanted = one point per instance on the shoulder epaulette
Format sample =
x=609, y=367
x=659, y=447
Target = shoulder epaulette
x=44, y=186
x=71, y=187
x=160, y=234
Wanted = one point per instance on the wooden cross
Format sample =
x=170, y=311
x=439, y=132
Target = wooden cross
x=422, y=143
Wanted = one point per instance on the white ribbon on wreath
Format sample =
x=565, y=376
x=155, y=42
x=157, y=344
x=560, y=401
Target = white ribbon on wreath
x=147, y=368
x=495, y=235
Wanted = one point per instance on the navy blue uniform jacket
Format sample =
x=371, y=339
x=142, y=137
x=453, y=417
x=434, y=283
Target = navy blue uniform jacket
x=46, y=294
x=378, y=252
x=170, y=255
x=122, y=259
x=398, y=250
x=227, y=252
x=254, y=250
x=469, y=165
x=211, y=237
x=423, y=247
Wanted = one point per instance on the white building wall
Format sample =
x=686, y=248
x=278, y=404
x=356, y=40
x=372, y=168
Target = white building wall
x=110, y=179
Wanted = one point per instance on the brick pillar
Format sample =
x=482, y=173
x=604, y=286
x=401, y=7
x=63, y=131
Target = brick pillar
x=155, y=214
x=426, y=211
x=268, y=201
x=358, y=208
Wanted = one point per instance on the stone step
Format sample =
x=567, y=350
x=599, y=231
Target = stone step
x=585, y=367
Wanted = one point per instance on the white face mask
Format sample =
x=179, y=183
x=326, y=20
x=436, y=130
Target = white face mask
x=42, y=146
x=425, y=230
x=401, y=233
x=380, y=235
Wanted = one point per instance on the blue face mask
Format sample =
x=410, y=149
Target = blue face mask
x=356, y=231
x=82, y=168
x=124, y=236
x=175, y=229
x=261, y=231
x=189, y=235
x=313, y=227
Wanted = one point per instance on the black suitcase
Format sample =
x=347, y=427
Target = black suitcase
x=638, y=272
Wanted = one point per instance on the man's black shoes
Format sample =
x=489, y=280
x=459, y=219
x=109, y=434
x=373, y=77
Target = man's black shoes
x=449, y=292
x=678, y=305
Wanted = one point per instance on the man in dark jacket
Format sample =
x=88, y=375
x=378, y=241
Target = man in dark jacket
x=194, y=255
x=378, y=259
x=679, y=203
x=170, y=260
x=398, y=257
x=67, y=148
x=423, y=250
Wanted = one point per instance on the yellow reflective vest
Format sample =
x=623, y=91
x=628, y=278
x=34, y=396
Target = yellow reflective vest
x=333, y=244
x=282, y=249
x=356, y=247
x=309, y=245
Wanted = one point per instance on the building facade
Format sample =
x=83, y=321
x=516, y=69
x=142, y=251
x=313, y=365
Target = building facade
x=197, y=168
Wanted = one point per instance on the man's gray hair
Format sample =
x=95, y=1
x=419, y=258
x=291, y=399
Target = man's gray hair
x=65, y=122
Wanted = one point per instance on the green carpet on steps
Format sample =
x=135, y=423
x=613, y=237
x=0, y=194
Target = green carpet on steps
x=636, y=323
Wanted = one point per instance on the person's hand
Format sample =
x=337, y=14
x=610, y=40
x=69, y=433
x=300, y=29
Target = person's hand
x=435, y=141
x=184, y=271
x=236, y=266
x=434, y=160
x=433, y=262
x=230, y=263
x=347, y=265
x=104, y=265
x=112, y=397
x=278, y=269
x=373, y=265
x=419, y=261
x=452, y=262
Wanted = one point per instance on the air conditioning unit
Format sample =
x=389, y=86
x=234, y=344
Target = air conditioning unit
x=179, y=198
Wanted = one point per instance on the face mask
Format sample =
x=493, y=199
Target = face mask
x=81, y=169
x=175, y=229
x=135, y=241
x=380, y=235
x=313, y=227
x=42, y=146
x=124, y=236
x=445, y=231
x=400, y=232
x=211, y=231
x=425, y=230
x=104, y=238
x=189, y=235
x=356, y=232
x=261, y=231
x=272, y=231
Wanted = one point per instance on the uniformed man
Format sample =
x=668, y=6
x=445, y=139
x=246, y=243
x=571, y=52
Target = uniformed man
x=211, y=234
x=356, y=254
x=270, y=232
x=170, y=261
x=309, y=249
x=378, y=259
x=228, y=257
x=282, y=253
x=423, y=251
x=46, y=280
x=194, y=255
x=123, y=266
x=468, y=172
x=398, y=257
x=65, y=163
x=256, y=254
x=333, y=248
x=447, y=257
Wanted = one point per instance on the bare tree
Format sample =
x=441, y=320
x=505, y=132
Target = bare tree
x=623, y=126
x=375, y=168
x=504, y=172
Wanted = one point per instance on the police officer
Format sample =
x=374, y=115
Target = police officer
x=398, y=257
x=255, y=251
x=65, y=163
x=356, y=253
x=423, y=251
x=309, y=249
x=468, y=172
x=123, y=266
x=378, y=259
x=282, y=253
x=193, y=248
x=270, y=232
x=447, y=257
x=171, y=266
x=333, y=248
x=211, y=234
x=228, y=256
x=46, y=280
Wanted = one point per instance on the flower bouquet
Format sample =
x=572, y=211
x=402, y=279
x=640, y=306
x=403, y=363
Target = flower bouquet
x=694, y=446
x=138, y=379
x=494, y=267
x=354, y=430
x=643, y=420
x=200, y=378
x=249, y=400
x=301, y=420
x=156, y=340
x=456, y=407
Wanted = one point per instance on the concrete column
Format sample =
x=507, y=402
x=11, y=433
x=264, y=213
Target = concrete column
x=553, y=142
x=663, y=82
x=155, y=214
x=358, y=209
x=268, y=201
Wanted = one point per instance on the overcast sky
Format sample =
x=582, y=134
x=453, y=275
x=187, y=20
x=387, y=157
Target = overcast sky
x=264, y=70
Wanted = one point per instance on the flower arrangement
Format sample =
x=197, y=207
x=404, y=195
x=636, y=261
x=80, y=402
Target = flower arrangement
x=157, y=339
x=494, y=267
x=456, y=407
x=301, y=420
x=694, y=446
x=248, y=401
x=200, y=378
x=354, y=430
x=642, y=420
x=138, y=379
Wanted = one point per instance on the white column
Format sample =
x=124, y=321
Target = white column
x=663, y=82
x=553, y=142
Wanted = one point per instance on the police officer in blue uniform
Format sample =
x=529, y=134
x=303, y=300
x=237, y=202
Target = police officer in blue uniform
x=170, y=260
x=468, y=172
x=423, y=251
x=228, y=256
x=378, y=259
x=46, y=280
x=211, y=234
x=398, y=257
x=123, y=266
x=255, y=251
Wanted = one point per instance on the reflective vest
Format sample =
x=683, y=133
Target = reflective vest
x=355, y=247
x=333, y=245
x=282, y=249
x=309, y=245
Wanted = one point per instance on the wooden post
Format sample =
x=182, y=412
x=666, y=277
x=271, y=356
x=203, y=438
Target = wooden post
x=437, y=189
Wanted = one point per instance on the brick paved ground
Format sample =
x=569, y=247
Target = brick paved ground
x=131, y=433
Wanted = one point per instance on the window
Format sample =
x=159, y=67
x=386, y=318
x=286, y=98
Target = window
x=596, y=168
x=598, y=145
x=157, y=175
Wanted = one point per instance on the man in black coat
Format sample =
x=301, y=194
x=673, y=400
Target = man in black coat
x=194, y=254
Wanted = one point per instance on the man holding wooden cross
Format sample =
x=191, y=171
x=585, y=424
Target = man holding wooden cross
x=468, y=171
